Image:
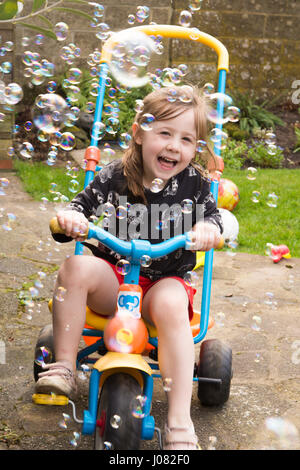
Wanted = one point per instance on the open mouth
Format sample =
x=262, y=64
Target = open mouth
x=167, y=162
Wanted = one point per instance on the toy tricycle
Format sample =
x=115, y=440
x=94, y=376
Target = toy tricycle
x=121, y=380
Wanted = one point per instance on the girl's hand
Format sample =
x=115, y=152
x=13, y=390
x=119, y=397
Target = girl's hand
x=73, y=223
x=206, y=236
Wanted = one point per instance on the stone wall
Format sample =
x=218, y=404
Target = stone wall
x=262, y=38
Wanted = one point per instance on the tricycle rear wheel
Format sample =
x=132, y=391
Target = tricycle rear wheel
x=215, y=362
x=117, y=428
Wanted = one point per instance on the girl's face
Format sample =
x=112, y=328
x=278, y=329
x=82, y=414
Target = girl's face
x=168, y=147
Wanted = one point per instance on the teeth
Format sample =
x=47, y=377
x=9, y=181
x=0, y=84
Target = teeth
x=168, y=159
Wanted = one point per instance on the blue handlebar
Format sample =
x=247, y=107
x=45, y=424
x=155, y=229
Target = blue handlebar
x=137, y=248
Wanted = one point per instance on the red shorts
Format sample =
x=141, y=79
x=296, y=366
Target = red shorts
x=146, y=284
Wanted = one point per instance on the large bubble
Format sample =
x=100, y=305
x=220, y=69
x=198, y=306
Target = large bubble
x=50, y=112
x=130, y=56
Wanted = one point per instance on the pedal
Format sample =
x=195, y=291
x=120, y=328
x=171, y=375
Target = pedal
x=46, y=399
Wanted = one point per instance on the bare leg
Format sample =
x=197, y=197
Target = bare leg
x=166, y=305
x=88, y=281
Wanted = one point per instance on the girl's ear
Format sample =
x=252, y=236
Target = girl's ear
x=136, y=133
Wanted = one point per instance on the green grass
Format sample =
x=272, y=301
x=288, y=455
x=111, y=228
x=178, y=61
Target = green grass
x=259, y=224
x=37, y=179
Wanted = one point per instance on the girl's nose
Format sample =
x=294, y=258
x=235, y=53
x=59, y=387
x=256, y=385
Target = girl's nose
x=173, y=145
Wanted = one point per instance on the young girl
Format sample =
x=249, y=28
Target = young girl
x=166, y=151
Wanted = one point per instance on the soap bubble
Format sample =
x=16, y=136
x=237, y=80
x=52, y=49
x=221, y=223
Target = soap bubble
x=73, y=186
x=167, y=384
x=6, y=67
x=271, y=149
x=219, y=100
x=145, y=261
x=60, y=294
x=131, y=54
x=251, y=173
x=124, y=140
x=218, y=138
x=185, y=18
x=147, y=120
x=121, y=212
x=103, y=31
x=123, y=267
x=191, y=278
x=131, y=19
x=76, y=437
x=115, y=421
x=26, y=150
x=142, y=13
x=256, y=323
x=98, y=130
x=187, y=206
x=50, y=112
x=156, y=185
x=270, y=138
x=232, y=114
x=63, y=423
x=201, y=146
x=195, y=5
x=13, y=93
x=208, y=88
x=67, y=141
x=61, y=31
x=255, y=197
x=107, y=445
x=272, y=200
x=43, y=356
x=139, y=406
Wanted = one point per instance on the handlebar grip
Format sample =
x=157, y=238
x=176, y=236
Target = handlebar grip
x=56, y=228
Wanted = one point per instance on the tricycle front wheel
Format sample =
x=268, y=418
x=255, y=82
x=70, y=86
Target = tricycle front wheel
x=117, y=428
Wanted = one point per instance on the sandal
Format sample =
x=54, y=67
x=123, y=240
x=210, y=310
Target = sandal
x=58, y=379
x=180, y=439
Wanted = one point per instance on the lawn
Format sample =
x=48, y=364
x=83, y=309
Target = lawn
x=261, y=224
x=258, y=223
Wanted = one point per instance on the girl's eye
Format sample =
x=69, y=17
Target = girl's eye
x=165, y=133
x=187, y=139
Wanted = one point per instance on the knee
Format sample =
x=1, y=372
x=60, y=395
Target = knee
x=170, y=310
x=71, y=268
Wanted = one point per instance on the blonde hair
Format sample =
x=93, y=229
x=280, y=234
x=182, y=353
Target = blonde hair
x=167, y=103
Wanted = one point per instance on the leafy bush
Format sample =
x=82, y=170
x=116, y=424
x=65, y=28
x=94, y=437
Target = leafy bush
x=254, y=115
x=297, y=146
x=234, y=154
x=261, y=155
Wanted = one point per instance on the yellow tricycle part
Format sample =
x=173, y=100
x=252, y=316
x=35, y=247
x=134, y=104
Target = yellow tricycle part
x=116, y=360
x=47, y=399
x=172, y=31
x=200, y=258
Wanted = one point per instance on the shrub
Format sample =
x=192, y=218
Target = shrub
x=234, y=154
x=261, y=155
x=254, y=115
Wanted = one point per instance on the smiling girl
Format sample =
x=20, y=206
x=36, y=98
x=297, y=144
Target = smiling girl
x=166, y=151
